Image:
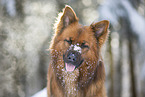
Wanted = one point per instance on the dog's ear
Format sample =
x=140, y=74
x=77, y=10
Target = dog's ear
x=100, y=30
x=66, y=18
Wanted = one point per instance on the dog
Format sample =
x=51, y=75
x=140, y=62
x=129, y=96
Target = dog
x=76, y=68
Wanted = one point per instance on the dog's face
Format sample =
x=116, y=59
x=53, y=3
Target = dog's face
x=76, y=48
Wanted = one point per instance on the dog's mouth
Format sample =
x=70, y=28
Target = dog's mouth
x=72, y=60
x=69, y=67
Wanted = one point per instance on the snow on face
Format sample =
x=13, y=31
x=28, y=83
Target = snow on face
x=76, y=48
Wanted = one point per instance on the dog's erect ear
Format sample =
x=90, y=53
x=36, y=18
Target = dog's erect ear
x=66, y=18
x=101, y=31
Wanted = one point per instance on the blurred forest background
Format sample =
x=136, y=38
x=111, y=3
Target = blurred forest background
x=26, y=28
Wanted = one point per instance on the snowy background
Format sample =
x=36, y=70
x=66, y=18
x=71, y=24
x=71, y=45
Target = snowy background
x=26, y=28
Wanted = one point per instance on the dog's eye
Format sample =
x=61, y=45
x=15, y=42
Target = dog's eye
x=84, y=45
x=68, y=41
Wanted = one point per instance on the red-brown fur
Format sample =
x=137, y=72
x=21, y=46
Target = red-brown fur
x=88, y=79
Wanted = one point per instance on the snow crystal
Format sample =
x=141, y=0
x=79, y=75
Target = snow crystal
x=88, y=67
x=77, y=48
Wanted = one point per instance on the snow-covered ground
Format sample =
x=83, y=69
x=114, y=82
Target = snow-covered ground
x=42, y=93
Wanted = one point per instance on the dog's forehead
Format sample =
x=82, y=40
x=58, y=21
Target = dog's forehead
x=78, y=33
x=84, y=34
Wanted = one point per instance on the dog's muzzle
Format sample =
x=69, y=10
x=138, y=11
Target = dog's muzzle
x=72, y=60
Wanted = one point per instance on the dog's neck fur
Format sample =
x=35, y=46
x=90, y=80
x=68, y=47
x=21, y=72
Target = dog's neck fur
x=70, y=84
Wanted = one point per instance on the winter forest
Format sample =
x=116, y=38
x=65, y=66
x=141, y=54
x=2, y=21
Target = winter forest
x=26, y=29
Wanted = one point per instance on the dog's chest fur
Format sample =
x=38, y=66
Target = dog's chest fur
x=70, y=83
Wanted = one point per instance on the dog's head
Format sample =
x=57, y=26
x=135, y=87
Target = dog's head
x=75, y=46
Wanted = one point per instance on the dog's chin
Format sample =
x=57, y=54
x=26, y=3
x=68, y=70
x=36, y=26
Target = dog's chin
x=69, y=67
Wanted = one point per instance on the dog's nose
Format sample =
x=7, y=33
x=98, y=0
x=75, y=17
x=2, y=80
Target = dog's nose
x=72, y=57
